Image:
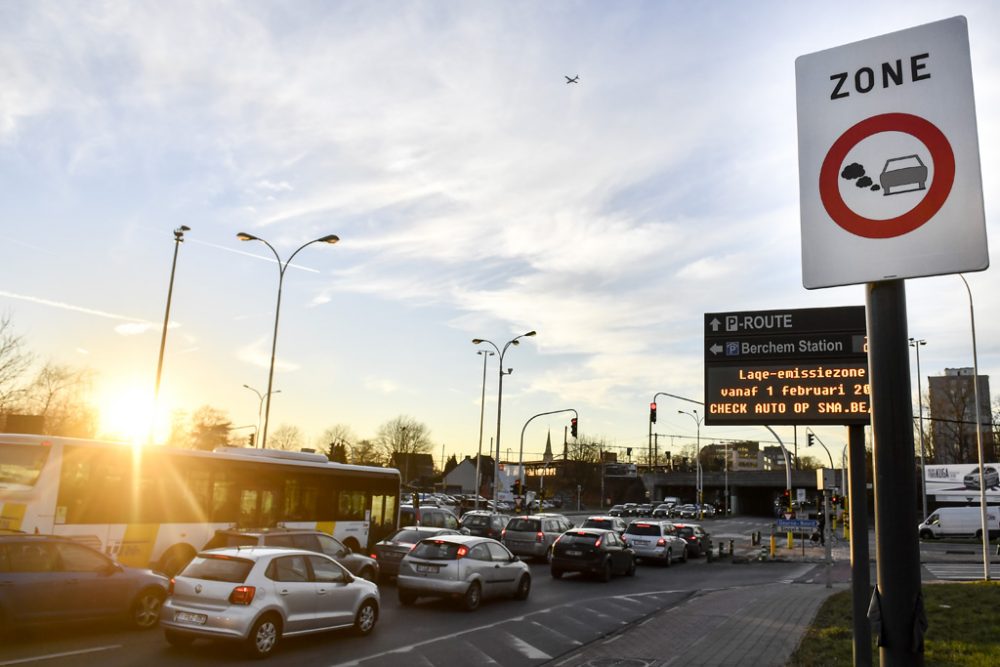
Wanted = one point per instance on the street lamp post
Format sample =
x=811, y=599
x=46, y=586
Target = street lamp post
x=243, y=236
x=178, y=240
x=260, y=406
x=697, y=456
x=482, y=412
x=917, y=344
x=500, y=353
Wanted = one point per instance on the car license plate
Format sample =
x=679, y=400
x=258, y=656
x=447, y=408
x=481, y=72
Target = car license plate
x=427, y=569
x=185, y=617
x=574, y=553
x=392, y=555
x=642, y=542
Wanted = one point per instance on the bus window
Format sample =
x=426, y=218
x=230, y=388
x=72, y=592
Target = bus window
x=225, y=503
x=248, y=508
x=351, y=506
x=20, y=466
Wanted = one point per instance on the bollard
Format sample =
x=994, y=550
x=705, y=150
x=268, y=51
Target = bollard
x=774, y=545
x=708, y=553
x=731, y=548
x=791, y=541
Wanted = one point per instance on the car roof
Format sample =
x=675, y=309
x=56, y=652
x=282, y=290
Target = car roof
x=603, y=517
x=269, y=531
x=588, y=531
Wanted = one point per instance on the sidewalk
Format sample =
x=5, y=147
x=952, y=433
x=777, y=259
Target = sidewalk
x=758, y=626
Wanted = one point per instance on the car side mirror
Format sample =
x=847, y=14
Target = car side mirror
x=514, y=558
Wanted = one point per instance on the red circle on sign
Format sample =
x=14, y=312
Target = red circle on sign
x=944, y=176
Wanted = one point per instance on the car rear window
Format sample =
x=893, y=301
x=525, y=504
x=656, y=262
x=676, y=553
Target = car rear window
x=408, y=536
x=685, y=531
x=230, y=540
x=643, y=529
x=475, y=520
x=578, y=538
x=436, y=550
x=597, y=523
x=524, y=525
x=218, y=568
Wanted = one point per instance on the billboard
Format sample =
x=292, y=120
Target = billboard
x=959, y=482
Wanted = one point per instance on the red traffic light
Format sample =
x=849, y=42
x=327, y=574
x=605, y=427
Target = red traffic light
x=652, y=413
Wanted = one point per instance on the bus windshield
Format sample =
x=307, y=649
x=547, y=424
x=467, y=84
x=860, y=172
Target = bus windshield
x=20, y=465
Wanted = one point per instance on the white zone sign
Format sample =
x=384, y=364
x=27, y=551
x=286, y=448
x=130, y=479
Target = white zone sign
x=889, y=178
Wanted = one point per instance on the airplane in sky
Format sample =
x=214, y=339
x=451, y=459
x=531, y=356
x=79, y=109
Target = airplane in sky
x=575, y=79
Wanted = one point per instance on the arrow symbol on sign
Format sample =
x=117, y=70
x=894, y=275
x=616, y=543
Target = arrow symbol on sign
x=715, y=349
x=715, y=323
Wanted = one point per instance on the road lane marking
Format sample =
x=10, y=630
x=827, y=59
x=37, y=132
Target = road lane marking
x=53, y=656
x=527, y=650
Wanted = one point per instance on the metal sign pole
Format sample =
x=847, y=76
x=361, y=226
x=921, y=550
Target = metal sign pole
x=861, y=586
x=897, y=547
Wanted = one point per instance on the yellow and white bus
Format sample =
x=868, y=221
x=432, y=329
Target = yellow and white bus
x=156, y=506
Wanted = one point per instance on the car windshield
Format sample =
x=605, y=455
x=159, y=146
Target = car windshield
x=523, y=526
x=436, y=550
x=579, y=538
x=218, y=568
x=643, y=529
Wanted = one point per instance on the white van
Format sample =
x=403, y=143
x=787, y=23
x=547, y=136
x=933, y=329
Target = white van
x=960, y=522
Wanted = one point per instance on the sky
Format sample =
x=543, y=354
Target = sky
x=476, y=194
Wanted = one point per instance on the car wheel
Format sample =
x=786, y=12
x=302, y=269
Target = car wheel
x=368, y=574
x=630, y=572
x=473, y=596
x=669, y=558
x=406, y=598
x=145, y=612
x=364, y=620
x=178, y=639
x=606, y=572
x=523, y=588
x=264, y=636
x=926, y=535
x=557, y=574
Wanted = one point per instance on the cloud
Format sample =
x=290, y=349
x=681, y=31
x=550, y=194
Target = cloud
x=258, y=353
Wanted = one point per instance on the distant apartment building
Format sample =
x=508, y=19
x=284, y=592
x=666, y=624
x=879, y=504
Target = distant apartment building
x=953, y=417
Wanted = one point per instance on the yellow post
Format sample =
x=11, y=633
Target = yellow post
x=790, y=540
x=774, y=545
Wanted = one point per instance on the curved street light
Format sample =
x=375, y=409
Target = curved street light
x=693, y=414
x=260, y=406
x=243, y=236
x=482, y=413
x=500, y=353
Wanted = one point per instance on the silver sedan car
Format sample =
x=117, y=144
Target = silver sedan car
x=464, y=567
x=259, y=595
x=656, y=541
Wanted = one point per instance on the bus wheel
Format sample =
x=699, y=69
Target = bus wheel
x=352, y=544
x=175, y=558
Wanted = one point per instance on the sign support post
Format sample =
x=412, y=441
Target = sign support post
x=898, y=597
x=857, y=500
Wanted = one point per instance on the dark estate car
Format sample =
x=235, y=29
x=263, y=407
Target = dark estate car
x=390, y=551
x=483, y=523
x=311, y=540
x=592, y=551
x=695, y=536
x=46, y=578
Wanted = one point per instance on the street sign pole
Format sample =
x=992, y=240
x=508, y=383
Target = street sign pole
x=897, y=598
x=857, y=500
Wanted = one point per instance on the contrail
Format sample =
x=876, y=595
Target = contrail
x=69, y=306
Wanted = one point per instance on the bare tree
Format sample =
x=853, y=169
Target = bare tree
x=366, y=453
x=403, y=435
x=58, y=394
x=286, y=437
x=209, y=428
x=336, y=442
x=14, y=363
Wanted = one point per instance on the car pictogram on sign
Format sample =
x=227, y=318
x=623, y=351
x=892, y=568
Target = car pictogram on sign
x=903, y=174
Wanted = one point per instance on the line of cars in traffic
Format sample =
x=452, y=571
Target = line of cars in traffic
x=259, y=587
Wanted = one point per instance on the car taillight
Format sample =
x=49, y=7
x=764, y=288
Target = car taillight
x=462, y=552
x=597, y=544
x=374, y=555
x=503, y=533
x=539, y=536
x=242, y=595
x=170, y=587
x=661, y=542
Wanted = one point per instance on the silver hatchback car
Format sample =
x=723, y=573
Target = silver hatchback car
x=533, y=535
x=464, y=567
x=259, y=595
x=656, y=540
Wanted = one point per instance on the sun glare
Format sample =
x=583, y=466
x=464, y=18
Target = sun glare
x=126, y=415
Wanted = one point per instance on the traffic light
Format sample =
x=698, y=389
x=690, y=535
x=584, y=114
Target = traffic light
x=811, y=437
x=572, y=427
x=516, y=487
x=251, y=438
x=628, y=452
x=652, y=413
